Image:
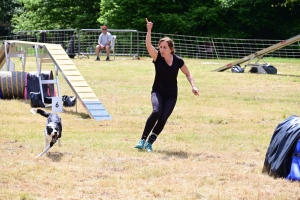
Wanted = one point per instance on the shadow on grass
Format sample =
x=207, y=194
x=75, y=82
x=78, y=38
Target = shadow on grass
x=55, y=156
x=178, y=154
x=81, y=114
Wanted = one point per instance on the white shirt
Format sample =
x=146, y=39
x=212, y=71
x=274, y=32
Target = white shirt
x=104, y=38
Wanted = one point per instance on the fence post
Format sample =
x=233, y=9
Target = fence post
x=78, y=33
x=138, y=44
x=215, y=50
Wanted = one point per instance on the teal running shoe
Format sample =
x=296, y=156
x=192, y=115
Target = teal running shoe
x=140, y=144
x=148, y=147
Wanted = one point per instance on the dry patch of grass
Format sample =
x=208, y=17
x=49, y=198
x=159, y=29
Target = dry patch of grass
x=212, y=147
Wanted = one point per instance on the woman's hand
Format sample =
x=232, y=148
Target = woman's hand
x=151, y=50
x=195, y=90
x=149, y=25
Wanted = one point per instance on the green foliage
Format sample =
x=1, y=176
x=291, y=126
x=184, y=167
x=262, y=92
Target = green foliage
x=214, y=18
x=7, y=9
x=57, y=14
x=263, y=19
x=175, y=16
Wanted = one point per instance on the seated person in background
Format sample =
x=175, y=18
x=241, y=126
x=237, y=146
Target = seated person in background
x=104, y=42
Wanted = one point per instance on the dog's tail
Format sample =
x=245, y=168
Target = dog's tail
x=40, y=111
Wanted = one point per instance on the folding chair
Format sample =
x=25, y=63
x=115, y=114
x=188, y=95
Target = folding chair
x=112, y=45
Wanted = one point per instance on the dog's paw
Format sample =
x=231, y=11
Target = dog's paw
x=33, y=110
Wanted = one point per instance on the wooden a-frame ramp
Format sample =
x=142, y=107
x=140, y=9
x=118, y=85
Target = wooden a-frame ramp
x=260, y=54
x=47, y=53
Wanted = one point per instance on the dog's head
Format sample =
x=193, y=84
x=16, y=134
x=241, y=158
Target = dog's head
x=53, y=131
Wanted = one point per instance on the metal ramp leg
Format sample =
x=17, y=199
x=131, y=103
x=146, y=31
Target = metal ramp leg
x=257, y=67
x=11, y=52
x=40, y=59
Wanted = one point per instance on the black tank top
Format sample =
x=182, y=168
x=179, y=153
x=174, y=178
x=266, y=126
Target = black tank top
x=165, y=81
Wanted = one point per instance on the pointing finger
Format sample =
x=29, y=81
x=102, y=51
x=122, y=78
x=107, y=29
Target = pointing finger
x=147, y=20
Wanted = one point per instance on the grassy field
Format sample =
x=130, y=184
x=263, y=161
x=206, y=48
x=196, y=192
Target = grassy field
x=213, y=146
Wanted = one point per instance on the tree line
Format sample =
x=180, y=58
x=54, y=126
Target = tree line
x=247, y=19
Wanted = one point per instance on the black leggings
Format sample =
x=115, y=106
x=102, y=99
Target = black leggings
x=162, y=109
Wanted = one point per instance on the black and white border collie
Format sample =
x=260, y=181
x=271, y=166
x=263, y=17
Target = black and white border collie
x=53, y=129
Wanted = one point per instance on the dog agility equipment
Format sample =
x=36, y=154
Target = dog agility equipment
x=55, y=54
x=259, y=56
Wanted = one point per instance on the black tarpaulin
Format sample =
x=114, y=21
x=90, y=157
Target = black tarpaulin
x=33, y=85
x=279, y=154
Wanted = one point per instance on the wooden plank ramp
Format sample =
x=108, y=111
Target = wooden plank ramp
x=77, y=83
x=261, y=53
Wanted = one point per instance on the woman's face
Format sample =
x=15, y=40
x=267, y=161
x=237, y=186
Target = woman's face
x=164, y=49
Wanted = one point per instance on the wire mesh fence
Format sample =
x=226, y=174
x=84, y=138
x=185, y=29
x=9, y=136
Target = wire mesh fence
x=127, y=41
x=131, y=43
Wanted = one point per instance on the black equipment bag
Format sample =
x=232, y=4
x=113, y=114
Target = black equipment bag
x=36, y=100
x=68, y=101
x=270, y=69
x=237, y=69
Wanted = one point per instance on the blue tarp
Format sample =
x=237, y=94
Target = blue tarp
x=295, y=166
